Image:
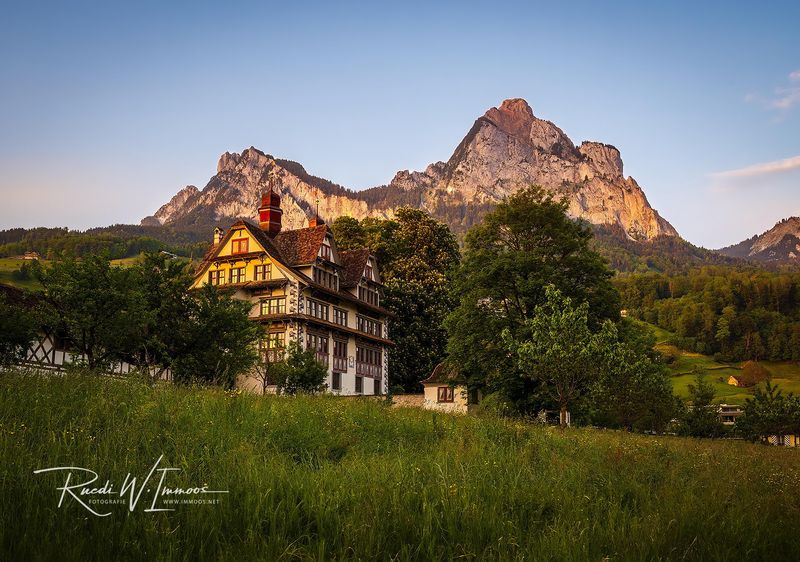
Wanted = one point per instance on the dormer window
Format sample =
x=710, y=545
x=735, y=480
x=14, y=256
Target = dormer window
x=325, y=250
x=368, y=271
x=239, y=246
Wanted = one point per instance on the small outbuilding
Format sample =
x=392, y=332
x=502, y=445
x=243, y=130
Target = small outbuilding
x=734, y=380
x=446, y=390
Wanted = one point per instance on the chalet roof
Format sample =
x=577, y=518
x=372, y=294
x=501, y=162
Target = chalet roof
x=206, y=258
x=353, y=262
x=254, y=231
x=16, y=296
x=301, y=246
x=444, y=373
x=294, y=248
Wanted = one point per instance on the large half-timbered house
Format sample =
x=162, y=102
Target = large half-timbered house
x=303, y=289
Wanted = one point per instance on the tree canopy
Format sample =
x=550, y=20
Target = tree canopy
x=735, y=313
x=416, y=256
x=146, y=316
x=525, y=245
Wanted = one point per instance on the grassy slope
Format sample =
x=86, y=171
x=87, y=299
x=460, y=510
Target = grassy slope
x=784, y=373
x=327, y=478
x=7, y=266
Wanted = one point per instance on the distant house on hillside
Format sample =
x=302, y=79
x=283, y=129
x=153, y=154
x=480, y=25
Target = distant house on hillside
x=728, y=413
x=752, y=374
x=446, y=390
x=736, y=380
x=31, y=256
x=303, y=288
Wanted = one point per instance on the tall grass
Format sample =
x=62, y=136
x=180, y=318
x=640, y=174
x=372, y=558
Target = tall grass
x=326, y=478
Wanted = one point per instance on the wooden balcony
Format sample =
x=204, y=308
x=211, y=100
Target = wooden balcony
x=340, y=364
x=368, y=370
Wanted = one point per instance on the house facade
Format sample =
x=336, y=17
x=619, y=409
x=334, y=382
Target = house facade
x=303, y=289
x=446, y=390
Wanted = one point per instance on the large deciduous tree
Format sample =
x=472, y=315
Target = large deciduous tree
x=97, y=307
x=613, y=382
x=524, y=245
x=219, y=340
x=557, y=353
x=18, y=326
x=416, y=255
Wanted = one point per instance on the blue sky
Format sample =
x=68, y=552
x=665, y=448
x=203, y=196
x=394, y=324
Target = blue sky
x=108, y=108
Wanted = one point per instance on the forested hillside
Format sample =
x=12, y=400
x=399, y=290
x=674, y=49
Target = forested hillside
x=663, y=254
x=117, y=241
x=734, y=313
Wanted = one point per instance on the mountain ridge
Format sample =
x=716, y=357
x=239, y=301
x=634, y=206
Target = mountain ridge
x=506, y=149
x=779, y=244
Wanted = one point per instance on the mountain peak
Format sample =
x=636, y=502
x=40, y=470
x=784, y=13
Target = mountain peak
x=514, y=106
x=506, y=149
x=514, y=116
x=781, y=243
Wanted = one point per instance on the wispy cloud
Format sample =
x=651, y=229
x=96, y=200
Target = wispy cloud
x=784, y=165
x=783, y=98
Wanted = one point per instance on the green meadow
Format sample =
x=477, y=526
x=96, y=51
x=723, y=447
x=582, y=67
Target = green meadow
x=785, y=374
x=326, y=478
x=7, y=268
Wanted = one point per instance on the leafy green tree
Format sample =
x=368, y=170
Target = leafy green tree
x=524, y=245
x=701, y=419
x=416, y=255
x=558, y=353
x=632, y=390
x=300, y=372
x=769, y=412
x=168, y=307
x=621, y=385
x=97, y=307
x=218, y=341
x=18, y=327
x=754, y=373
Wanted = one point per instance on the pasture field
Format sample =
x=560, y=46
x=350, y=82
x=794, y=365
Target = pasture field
x=786, y=374
x=326, y=478
x=7, y=267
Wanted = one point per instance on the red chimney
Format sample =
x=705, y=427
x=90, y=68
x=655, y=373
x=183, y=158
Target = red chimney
x=315, y=221
x=269, y=213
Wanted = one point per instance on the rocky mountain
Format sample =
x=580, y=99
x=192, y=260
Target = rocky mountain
x=506, y=149
x=779, y=244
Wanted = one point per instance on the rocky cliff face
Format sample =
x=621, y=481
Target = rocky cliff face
x=781, y=243
x=235, y=192
x=506, y=149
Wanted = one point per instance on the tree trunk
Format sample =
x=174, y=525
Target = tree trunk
x=562, y=416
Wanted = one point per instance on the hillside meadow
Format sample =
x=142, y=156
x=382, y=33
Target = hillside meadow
x=684, y=369
x=324, y=478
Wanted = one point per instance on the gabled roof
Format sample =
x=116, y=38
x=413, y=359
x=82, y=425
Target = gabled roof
x=260, y=236
x=301, y=246
x=444, y=373
x=353, y=262
x=294, y=248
